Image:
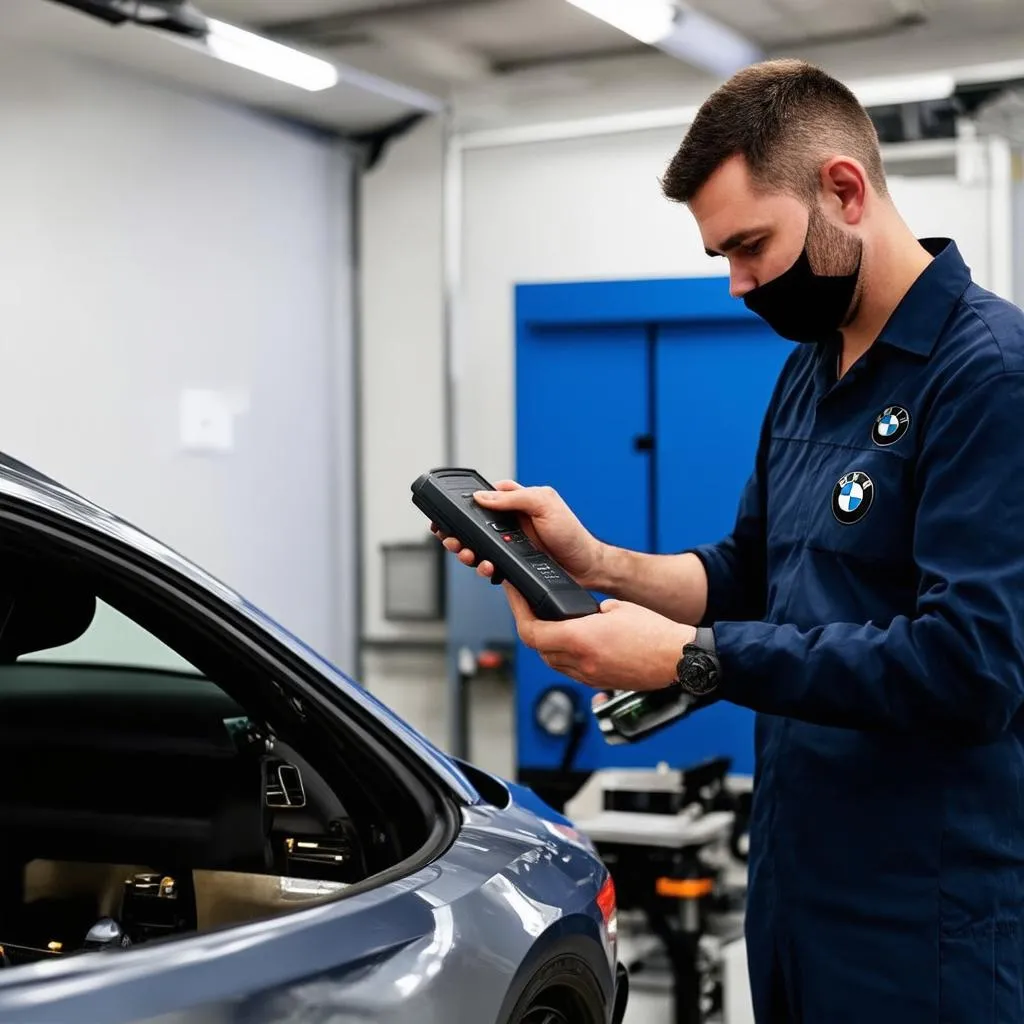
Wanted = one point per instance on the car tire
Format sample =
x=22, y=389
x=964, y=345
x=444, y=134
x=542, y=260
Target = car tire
x=563, y=991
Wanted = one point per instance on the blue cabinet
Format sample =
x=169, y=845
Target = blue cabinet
x=641, y=403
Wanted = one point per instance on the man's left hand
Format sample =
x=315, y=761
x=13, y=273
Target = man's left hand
x=625, y=647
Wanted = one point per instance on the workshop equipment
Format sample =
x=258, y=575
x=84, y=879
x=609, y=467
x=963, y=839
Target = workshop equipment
x=672, y=840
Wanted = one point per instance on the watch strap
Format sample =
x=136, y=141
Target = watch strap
x=705, y=639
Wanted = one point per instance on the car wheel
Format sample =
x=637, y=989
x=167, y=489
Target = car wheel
x=545, y=1015
x=564, y=991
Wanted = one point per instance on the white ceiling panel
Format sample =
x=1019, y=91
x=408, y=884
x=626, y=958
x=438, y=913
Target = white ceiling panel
x=528, y=27
x=494, y=49
x=264, y=12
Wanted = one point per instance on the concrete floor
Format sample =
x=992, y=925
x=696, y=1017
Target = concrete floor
x=648, y=1008
x=413, y=685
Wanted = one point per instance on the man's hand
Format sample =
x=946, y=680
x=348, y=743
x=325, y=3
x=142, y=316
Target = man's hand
x=548, y=521
x=625, y=647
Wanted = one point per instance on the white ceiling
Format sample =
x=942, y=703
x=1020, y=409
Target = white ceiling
x=498, y=57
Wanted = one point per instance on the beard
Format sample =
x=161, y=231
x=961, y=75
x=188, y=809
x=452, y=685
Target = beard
x=833, y=252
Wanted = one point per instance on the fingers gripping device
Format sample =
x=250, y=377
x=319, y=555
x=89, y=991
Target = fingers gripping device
x=445, y=496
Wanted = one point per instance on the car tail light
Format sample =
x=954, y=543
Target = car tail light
x=608, y=906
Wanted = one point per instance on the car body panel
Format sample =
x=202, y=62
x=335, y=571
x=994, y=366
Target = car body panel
x=453, y=941
x=438, y=946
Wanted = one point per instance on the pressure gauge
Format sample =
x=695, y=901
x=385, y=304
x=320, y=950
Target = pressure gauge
x=555, y=711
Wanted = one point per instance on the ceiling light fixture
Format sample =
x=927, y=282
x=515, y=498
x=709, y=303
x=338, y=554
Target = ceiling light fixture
x=255, y=53
x=882, y=92
x=650, y=21
x=182, y=23
x=679, y=31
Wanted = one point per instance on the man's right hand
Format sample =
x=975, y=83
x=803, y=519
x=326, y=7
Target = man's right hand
x=549, y=523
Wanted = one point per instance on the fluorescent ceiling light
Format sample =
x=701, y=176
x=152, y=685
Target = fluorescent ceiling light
x=253, y=52
x=256, y=53
x=647, y=20
x=679, y=31
x=707, y=43
x=880, y=92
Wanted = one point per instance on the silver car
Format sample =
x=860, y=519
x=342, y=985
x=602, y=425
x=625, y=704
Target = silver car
x=236, y=832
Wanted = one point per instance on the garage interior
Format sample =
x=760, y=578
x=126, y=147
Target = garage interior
x=248, y=312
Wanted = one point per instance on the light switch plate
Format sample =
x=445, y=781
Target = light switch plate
x=207, y=421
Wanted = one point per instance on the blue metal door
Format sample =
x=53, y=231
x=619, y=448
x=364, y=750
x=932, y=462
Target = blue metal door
x=713, y=382
x=583, y=416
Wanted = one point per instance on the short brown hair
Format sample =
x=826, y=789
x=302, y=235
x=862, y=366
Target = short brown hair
x=781, y=116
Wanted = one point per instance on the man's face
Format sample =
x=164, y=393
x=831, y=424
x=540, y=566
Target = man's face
x=761, y=233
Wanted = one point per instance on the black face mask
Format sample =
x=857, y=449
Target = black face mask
x=803, y=306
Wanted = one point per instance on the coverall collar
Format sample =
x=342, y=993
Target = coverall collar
x=917, y=322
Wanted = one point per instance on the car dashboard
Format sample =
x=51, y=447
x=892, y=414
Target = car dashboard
x=139, y=805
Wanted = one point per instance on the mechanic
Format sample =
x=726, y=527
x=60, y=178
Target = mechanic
x=869, y=602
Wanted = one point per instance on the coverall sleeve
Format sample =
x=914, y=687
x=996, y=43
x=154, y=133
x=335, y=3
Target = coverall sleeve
x=956, y=666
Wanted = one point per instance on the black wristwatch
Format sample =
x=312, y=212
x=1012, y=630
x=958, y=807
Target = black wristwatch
x=698, y=671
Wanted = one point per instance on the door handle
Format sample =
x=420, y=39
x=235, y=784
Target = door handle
x=643, y=443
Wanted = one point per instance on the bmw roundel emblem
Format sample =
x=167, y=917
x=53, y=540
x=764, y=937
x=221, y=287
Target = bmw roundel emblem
x=890, y=425
x=852, y=497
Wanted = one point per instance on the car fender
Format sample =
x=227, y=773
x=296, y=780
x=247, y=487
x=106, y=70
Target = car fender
x=574, y=936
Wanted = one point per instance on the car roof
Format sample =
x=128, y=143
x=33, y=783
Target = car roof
x=29, y=486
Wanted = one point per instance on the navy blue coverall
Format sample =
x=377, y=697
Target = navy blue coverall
x=869, y=606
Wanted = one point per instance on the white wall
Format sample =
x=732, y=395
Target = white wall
x=153, y=242
x=567, y=210
x=402, y=355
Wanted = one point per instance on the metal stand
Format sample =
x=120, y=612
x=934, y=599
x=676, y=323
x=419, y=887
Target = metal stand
x=469, y=665
x=465, y=671
x=666, y=860
x=682, y=948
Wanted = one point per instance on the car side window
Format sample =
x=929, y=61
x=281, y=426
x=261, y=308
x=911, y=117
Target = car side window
x=114, y=639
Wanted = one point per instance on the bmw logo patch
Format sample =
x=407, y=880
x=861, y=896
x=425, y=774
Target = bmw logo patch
x=891, y=424
x=852, y=498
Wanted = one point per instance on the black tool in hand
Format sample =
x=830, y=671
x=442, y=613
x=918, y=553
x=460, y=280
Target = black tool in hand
x=445, y=496
x=628, y=716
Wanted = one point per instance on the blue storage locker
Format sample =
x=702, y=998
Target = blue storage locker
x=641, y=403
